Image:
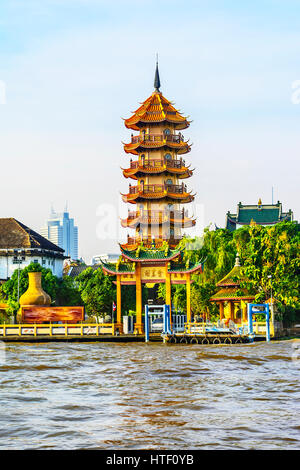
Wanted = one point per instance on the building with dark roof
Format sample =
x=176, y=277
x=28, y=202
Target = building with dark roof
x=20, y=246
x=261, y=214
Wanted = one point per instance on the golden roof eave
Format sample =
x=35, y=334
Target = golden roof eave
x=182, y=147
x=156, y=109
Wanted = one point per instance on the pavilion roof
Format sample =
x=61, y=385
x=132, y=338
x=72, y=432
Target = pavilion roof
x=156, y=109
x=230, y=285
x=234, y=276
x=150, y=254
x=232, y=293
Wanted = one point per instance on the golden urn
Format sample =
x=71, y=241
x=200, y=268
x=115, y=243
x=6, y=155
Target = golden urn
x=35, y=295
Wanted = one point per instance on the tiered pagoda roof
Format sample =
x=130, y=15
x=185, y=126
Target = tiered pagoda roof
x=156, y=109
x=158, y=171
x=177, y=168
x=156, y=141
x=230, y=288
x=166, y=192
x=178, y=218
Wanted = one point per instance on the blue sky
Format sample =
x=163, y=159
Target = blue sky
x=73, y=68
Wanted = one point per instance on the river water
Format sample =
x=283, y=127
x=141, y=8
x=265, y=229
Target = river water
x=150, y=396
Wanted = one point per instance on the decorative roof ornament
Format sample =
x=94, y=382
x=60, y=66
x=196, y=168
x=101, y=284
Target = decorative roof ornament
x=156, y=78
x=237, y=260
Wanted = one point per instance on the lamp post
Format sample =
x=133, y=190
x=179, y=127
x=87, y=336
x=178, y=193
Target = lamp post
x=18, y=260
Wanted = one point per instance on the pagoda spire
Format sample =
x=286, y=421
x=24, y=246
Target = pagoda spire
x=156, y=78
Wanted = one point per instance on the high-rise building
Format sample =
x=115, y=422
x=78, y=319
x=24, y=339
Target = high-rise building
x=61, y=231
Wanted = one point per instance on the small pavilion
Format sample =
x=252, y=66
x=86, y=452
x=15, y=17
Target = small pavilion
x=231, y=298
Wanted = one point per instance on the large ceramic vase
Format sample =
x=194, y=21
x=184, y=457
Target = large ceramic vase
x=35, y=295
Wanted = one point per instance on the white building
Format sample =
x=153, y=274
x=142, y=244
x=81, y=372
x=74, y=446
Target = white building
x=105, y=258
x=20, y=246
x=60, y=230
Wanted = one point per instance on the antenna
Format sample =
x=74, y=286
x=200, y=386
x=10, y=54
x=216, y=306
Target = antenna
x=272, y=195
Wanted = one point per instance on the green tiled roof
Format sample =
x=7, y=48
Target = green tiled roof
x=261, y=214
x=175, y=267
x=121, y=268
x=230, y=278
x=232, y=293
x=151, y=254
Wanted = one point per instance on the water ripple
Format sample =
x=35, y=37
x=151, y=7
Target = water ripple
x=154, y=396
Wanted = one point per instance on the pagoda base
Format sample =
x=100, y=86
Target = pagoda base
x=138, y=329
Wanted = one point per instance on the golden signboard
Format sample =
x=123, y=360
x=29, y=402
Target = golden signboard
x=152, y=272
x=128, y=278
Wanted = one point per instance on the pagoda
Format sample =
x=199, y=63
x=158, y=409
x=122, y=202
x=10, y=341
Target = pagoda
x=231, y=297
x=158, y=172
x=151, y=256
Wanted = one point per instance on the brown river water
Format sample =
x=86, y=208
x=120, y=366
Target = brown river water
x=150, y=396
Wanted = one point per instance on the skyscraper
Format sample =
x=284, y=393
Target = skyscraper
x=61, y=231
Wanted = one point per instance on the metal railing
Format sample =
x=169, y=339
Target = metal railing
x=259, y=328
x=176, y=138
x=150, y=242
x=158, y=188
x=157, y=163
x=153, y=214
x=52, y=329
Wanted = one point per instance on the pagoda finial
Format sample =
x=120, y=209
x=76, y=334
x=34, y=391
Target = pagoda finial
x=156, y=78
x=237, y=260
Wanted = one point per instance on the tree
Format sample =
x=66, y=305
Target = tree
x=264, y=252
x=271, y=261
x=97, y=291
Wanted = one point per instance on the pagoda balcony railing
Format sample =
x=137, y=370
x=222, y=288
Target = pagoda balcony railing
x=155, y=214
x=157, y=163
x=176, y=138
x=150, y=242
x=157, y=188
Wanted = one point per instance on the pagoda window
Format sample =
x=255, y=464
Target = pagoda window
x=167, y=132
x=169, y=181
x=168, y=156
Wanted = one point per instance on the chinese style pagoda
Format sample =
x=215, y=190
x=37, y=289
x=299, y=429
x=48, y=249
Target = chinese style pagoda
x=158, y=172
x=231, y=297
x=151, y=256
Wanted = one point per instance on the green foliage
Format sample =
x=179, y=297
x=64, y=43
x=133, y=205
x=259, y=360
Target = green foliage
x=264, y=251
x=271, y=261
x=97, y=291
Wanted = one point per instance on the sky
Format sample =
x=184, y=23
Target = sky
x=70, y=70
